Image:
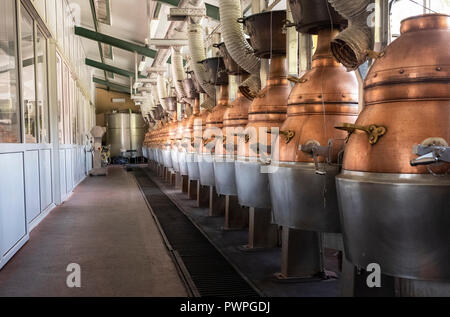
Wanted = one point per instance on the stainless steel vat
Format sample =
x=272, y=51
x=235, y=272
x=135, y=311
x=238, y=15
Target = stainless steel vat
x=125, y=132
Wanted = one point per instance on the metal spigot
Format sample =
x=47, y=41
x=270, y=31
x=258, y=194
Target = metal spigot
x=314, y=149
x=430, y=154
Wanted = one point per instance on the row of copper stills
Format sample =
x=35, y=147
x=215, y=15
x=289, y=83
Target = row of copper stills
x=300, y=156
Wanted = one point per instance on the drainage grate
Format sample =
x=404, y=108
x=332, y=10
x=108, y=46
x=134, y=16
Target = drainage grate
x=208, y=269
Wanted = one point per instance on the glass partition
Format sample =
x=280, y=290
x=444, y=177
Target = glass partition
x=28, y=76
x=9, y=105
x=42, y=96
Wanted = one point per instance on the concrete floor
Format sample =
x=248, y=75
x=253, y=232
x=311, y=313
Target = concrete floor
x=105, y=227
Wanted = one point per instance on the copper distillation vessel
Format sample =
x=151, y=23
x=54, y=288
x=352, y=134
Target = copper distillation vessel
x=191, y=95
x=235, y=119
x=267, y=111
x=212, y=135
x=395, y=186
x=302, y=186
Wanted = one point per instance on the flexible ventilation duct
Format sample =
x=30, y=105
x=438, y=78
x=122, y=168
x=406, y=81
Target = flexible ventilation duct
x=351, y=46
x=208, y=103
x=197, y=50
x=238, y=47
x=178, y=71
x=155, y=95
x=162, y=90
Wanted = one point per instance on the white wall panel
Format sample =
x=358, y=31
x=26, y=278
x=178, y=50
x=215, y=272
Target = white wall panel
x=69, y=171
x=62, y=173
x=33, y=203
x=45, y=172
x=12, y=201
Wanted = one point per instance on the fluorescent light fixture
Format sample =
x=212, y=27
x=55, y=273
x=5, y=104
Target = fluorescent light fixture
x=118, y=100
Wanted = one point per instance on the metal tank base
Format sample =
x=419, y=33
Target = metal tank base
x=167, y=158
x=206, y=168
x=252, y=185
x=225, y=179
x=304, y=200
x=236, y=216
x=182, y=163
x=174, y=156
x=192, y=166
x=253, y=191
x=400, y=221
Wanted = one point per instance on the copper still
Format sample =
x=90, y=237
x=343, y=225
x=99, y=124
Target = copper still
x=194, y=131
x=303, y=189
x=212, y=135
x=185, y=135
x=267, y=110
x=395, y=185
x=235, y=119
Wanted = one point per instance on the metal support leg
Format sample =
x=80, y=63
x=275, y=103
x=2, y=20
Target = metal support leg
x=184, y=183
x=301, y=255
x=216, y=203
x=192, y=189
x=261, y=232
x=178, y=180
x=354, y=283
x=202, y=195
x=236, y=216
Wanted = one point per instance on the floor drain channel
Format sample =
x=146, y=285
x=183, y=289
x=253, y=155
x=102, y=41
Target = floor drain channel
x=208, y=269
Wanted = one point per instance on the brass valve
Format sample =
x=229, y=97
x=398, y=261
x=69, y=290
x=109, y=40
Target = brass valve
x=374, y=132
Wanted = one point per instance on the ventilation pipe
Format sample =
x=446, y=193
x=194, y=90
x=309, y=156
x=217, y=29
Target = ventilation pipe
x=155, y=95
x=352, y=46
x=208, y=103
x=238, y=47
x=162, y=90
x=178, y=71
x=197, y=50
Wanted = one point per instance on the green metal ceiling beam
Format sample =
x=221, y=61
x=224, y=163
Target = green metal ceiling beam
x=110, y=68
x=125, y=45
x=112, y=86
x=211, y=11
x=94, y=17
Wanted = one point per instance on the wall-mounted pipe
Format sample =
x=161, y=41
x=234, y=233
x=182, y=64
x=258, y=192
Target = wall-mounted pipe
x=351, y=47
x=238, y=47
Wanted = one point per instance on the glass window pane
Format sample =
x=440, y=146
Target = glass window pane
x=28, y=76
x=60, y=22
x=66, y=99
x=9, y=107
x=51, y=15
x=59, y=89
x=42, y=96
x=40, y=5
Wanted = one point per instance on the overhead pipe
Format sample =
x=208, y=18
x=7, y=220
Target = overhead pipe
x=197, y=50
x=238, y=47
x=352, y=46
x=177, y=71
x=162, y=90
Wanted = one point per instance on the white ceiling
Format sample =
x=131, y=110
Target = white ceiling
x=129, y=23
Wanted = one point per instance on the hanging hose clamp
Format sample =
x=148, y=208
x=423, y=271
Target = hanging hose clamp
x=314, y=149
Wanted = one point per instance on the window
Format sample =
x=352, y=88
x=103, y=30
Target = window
x=66, y=98
x=59, y=83
x=42, y=96
x=9, y=107
x=28, y=76
x=402, y=9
